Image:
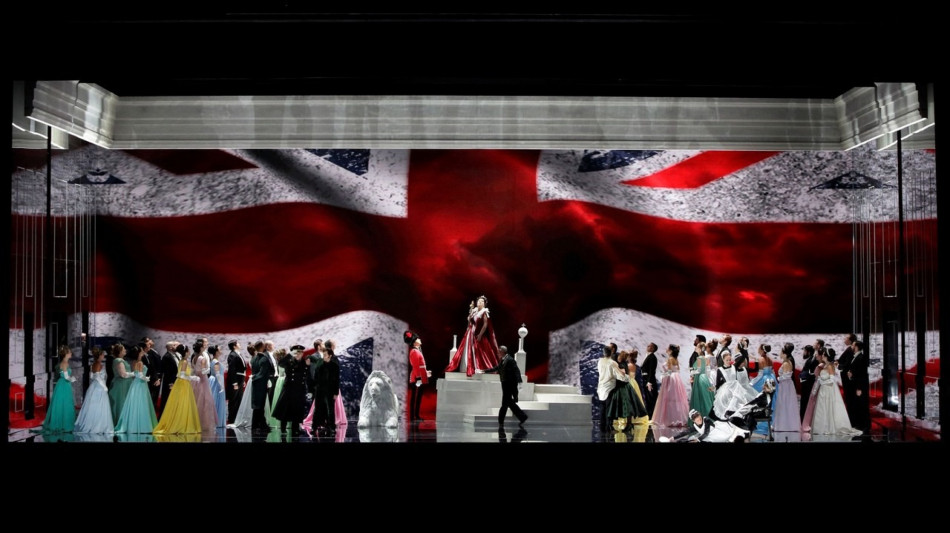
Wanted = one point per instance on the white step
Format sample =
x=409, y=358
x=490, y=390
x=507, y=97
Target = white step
x=553, y=388
x=561, y=398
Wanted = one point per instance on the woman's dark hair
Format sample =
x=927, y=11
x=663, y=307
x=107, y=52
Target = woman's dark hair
x=182, y=349
x=674, y=350
x=788, y=349
x=830, y=353
x=213, y=349
x=329, y=344
x=135, y=351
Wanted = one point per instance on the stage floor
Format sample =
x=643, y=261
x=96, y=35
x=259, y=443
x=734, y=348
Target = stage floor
x=883, y=430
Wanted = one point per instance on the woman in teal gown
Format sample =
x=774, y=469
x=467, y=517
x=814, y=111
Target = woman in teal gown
x=138, y=412
x=95, y=416
x=703, y=394
x=121, y=381
x=61, y=411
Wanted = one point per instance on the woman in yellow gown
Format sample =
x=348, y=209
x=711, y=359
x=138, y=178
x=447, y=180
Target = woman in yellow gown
x=181, y=412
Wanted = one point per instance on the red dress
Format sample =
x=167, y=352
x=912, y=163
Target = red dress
x=478, y=354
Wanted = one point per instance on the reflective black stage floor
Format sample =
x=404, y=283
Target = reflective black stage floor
x=429, y=432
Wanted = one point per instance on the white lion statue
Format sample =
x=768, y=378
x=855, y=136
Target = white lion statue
x=379, y=406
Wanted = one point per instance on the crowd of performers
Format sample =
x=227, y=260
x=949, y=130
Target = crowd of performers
x=199, y=389
x=825, y=394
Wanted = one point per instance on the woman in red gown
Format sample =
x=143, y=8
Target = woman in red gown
x=478, y=349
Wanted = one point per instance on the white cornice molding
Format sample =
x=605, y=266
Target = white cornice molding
x=393, y=122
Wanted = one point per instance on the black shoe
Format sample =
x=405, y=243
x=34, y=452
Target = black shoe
x=523, y=420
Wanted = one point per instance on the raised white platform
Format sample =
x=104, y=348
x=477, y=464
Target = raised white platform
x=475, y=400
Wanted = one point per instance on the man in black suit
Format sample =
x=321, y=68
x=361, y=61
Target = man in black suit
x=153, y=369
x=325, y=388
x=268, y=350
x=692, y=358
x=652, y=387
x=860, y=386
x=234, y=383
x=510, y=376
x=289, y=407
x=844, y=365
x=807, y=375
x=169, y=371
x=263, y=371
x=110, y=372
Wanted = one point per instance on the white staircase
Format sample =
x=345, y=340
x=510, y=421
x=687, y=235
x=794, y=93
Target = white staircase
x=475, y=401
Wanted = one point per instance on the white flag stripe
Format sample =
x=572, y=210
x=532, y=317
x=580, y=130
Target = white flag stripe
x=282, y=176
x=777, y=189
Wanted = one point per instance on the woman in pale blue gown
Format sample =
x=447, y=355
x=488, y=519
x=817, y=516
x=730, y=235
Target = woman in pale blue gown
x=138, y=412
x=121, y=380
x=216, y=378
x=95, y=416
x=766, y=371
x=61, y=413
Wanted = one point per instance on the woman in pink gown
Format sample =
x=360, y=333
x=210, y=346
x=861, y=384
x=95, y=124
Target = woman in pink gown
x=672, y=405
x=478, y=349
x=202, y=388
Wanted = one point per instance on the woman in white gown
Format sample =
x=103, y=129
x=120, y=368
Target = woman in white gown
x=95, y=416
x=831, y=416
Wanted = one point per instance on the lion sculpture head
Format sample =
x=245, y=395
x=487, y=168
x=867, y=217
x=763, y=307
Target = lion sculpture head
x=379, y=405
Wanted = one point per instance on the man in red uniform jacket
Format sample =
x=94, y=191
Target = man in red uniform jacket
x=418, y=375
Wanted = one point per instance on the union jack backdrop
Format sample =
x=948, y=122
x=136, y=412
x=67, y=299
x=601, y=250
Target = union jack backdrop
x=358, y=245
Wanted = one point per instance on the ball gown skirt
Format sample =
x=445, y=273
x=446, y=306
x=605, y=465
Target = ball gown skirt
x=672, y=405
x=95, y=415
x=181, y=413
x=138, y=413
x=61, y=411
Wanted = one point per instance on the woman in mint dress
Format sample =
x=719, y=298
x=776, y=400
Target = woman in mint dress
x=702, y=392
x=278, y=386
x=216, y=377
x=61, y=412
x=138, y=412
x=95, y=416
x=121, y=381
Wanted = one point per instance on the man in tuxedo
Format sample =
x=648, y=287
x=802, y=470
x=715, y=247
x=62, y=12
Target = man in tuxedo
x=153, y=369
x=860, y=385
x=110, y=372
x=844, y=365
x=724, y=343
x=268, y=350
x=169, y=372
x=510, y=376
x=807, y=375
x=652, y=387
x=696, y=352
x=234, y=383
x=263, y=370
